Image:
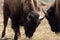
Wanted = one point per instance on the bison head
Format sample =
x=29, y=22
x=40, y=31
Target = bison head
x=53, y=19
x=32, y=21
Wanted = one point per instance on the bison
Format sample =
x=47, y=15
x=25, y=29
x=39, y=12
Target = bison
x=22, y=13
x=53, y=16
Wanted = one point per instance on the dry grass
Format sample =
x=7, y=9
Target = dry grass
x=43, y=32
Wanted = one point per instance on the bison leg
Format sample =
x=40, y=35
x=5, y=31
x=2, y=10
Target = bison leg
x=6, y=14
x=5, y=25
x=15, y=26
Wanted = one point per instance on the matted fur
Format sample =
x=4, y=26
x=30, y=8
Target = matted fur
x=22, y=13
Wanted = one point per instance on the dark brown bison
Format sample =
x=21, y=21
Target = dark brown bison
x=53, y=16
x=22, y=13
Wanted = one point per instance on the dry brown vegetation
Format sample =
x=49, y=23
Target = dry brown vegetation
x=43, y=32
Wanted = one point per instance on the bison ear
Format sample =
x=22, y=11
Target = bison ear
x=28, y=18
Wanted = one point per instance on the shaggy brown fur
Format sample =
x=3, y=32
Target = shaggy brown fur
x=22, y=13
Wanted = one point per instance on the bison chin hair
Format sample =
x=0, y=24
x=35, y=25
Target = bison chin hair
x=29, y=31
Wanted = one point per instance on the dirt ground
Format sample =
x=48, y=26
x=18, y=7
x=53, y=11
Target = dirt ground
x=43, y=31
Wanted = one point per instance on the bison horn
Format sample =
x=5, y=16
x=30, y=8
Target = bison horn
x=45, y=12
x=41, y=18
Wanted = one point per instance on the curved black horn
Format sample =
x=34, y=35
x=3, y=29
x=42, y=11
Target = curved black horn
x=45, y=12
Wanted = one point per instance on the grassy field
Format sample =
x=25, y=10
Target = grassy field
x=43, y=32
